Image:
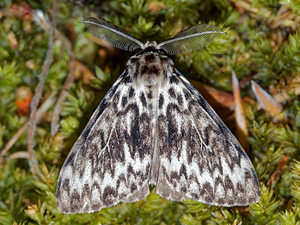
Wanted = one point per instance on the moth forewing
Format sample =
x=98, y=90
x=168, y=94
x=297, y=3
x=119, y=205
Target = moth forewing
x=199, y=157
x=110, y=162
x=154, y=127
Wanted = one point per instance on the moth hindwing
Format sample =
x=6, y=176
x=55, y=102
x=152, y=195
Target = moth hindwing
x=154, y=127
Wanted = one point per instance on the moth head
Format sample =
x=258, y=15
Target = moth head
x=191, y=39
x=150, y=44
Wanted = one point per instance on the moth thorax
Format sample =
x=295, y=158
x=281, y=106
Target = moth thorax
x=150, y=78
x=151, y=69
x=149, y=81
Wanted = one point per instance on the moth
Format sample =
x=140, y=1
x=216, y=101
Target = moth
x=153, y=127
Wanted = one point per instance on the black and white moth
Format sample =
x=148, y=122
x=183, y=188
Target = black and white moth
x=154, y=127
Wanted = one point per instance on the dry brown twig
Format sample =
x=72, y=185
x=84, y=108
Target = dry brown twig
x=16, y=155
x=43, y=108
x=66, y=86
x=25, y=12
x=36, y=99
x=275, y=175
x=239, y=113
x=70, y=77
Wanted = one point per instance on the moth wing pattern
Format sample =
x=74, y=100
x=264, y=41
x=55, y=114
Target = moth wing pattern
x=111, y=160
x=199, y=158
